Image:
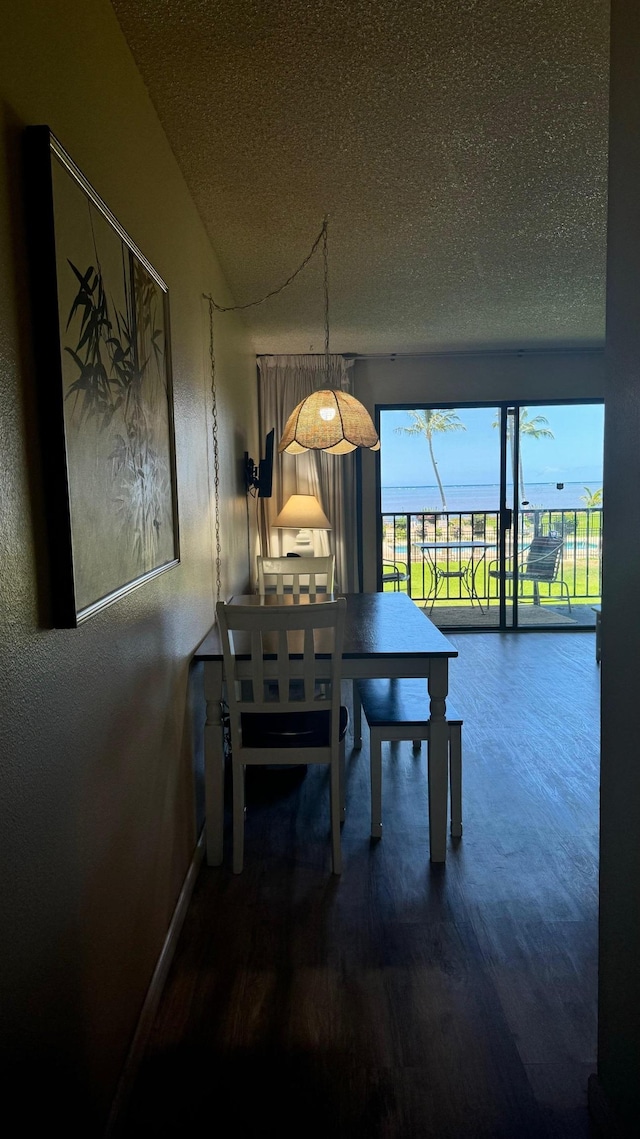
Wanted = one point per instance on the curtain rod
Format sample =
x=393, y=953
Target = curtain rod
x=517, y=352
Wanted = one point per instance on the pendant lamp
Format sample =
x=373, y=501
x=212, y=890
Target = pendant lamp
x=329, y=420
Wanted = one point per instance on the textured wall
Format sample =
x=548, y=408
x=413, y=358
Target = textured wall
x=98, y=787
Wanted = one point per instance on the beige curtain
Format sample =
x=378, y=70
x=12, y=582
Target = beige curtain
x=283, y=382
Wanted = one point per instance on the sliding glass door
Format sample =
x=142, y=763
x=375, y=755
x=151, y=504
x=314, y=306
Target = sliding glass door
x=490, y=516
x=555, y=464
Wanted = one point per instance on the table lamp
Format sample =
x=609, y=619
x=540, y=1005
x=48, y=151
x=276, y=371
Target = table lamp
x=303, y=512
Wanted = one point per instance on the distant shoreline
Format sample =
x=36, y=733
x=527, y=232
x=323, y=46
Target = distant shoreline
x=595, y=484
x=483, y=496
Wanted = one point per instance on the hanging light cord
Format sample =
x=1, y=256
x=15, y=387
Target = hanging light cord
x=214, y=307
x=325, y=261
x=216, y=453
x=322, y=236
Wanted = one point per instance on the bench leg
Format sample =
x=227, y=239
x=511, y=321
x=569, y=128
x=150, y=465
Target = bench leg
x=455, y=778
x=438, y=788
x=375, y=758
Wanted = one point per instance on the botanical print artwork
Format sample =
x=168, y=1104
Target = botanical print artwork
x=113, y=317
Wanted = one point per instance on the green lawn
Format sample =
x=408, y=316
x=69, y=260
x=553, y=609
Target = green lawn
x=576, y=581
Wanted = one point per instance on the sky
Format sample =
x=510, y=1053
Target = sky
x=471, y=457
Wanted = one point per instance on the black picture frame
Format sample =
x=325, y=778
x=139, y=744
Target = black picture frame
x=101, y=336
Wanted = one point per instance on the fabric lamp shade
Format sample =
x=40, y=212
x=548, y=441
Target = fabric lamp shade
x=302, y=512
x=330, y=420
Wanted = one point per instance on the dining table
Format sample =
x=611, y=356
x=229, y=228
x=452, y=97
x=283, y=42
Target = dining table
x=386, y=636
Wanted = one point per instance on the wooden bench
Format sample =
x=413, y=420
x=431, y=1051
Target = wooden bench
x=395, y=710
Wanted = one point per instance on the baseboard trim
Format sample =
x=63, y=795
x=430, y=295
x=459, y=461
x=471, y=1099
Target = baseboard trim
x=154, y=993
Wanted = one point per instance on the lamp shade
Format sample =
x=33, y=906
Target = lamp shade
x=329, y=420
x=303, y=511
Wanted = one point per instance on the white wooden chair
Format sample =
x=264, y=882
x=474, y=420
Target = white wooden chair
x=296, y=575
x=284, y=708
x=398, y=710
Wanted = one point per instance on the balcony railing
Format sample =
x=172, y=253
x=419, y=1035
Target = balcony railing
x=581, y=557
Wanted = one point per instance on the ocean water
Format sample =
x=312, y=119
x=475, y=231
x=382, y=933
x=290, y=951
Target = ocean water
x=545, y=496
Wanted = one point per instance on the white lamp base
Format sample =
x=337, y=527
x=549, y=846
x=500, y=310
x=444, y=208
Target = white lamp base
x=304, y=542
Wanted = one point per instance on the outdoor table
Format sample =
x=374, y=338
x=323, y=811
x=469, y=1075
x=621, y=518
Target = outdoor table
x=467, y=569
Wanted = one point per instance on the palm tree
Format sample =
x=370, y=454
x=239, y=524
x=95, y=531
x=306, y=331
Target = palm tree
x=429, y=423
x=592, y=498
x=536, y=428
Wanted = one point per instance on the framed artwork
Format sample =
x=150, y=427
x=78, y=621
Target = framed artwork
x=103, y=359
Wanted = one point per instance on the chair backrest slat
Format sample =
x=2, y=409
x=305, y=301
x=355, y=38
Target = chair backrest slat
x=282, y=575
x=291, y=653
x=309, y=665
x=283, y=666
x=543, y=557
x=256, y=655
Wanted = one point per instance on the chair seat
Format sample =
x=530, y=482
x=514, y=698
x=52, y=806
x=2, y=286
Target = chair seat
x=389, y=703
x=396, y=574
x=288, y=729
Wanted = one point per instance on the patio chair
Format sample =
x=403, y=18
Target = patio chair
x=541, y=564
x=395, y=572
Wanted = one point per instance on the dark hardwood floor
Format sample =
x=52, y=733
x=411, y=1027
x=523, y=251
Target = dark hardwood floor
x=403, y=1000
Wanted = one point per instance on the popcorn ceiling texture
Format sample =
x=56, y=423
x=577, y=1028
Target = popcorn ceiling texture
x=459, y=148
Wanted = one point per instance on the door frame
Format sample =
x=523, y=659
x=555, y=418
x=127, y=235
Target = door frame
x=508, y=515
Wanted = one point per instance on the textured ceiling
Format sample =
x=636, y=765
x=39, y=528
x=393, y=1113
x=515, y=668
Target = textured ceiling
x=459, y=148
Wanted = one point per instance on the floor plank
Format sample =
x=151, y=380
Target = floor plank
x=403, y=1000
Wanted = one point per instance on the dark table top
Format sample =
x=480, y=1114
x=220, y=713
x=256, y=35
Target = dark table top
x=377, y=624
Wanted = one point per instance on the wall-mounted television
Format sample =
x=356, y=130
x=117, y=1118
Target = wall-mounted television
x=259, y=479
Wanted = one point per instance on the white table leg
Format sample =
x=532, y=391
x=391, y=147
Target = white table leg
x=214, y=762
x=438, y=762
